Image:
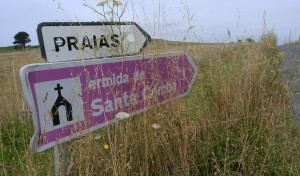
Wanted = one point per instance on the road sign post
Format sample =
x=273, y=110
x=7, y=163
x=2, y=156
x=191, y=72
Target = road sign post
x=60, y=159
x=65, y=41
x=69, y=99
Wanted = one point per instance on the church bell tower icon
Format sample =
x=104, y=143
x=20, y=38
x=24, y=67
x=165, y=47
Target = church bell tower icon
x=61, y=101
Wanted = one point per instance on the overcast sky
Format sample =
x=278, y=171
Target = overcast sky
x=210, y=23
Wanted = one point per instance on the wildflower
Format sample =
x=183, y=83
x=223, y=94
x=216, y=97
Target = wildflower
x=116, y=44
x=155, y=126
x=81, y=47
x=286, y=87
x=106, y=146
x=117, y=3
x=100, y=38
x=97, y=137
x=121, y=115
x=280, y=54
x=102, y=3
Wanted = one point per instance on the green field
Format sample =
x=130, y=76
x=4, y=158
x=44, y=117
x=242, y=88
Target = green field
x=12, y=48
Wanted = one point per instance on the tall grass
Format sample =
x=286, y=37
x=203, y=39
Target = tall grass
x=235, y=121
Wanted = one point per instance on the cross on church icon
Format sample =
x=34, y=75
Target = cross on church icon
x=61, y=101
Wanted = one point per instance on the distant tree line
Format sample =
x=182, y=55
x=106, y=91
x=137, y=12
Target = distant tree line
x=248, y=40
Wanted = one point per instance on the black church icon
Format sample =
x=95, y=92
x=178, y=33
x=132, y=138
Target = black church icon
x=61, y=101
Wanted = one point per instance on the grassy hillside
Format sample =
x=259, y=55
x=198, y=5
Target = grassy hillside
x=167, y=42
x=235, y=121
x=12, y=48
x=7, y=49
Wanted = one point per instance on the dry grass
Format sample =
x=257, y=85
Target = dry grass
x=293, y=43
x=235, y=121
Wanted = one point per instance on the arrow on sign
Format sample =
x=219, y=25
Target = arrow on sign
x=64, y=41
x=88, y=97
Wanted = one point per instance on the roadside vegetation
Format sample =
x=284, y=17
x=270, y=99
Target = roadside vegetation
x=293, y=43
x=236, y=120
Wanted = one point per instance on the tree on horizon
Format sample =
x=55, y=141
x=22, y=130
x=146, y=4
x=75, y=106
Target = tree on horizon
x=250, y=40
x=21, y=38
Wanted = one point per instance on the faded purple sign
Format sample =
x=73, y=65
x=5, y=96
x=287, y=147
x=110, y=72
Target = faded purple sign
x=71, y=99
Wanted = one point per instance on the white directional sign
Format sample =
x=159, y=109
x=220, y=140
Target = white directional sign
x=67, y=41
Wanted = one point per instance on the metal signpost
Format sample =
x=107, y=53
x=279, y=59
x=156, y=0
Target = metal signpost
x=69, y=99
x=64, y=41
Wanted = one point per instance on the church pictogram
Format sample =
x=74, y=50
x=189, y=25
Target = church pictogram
x=61, y=101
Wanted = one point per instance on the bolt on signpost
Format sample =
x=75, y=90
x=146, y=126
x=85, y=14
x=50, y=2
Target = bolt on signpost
x=70, y=99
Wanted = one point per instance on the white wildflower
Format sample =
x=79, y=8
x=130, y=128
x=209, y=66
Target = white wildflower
x=155, y=126
x=97, y=137
x=121, y=116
